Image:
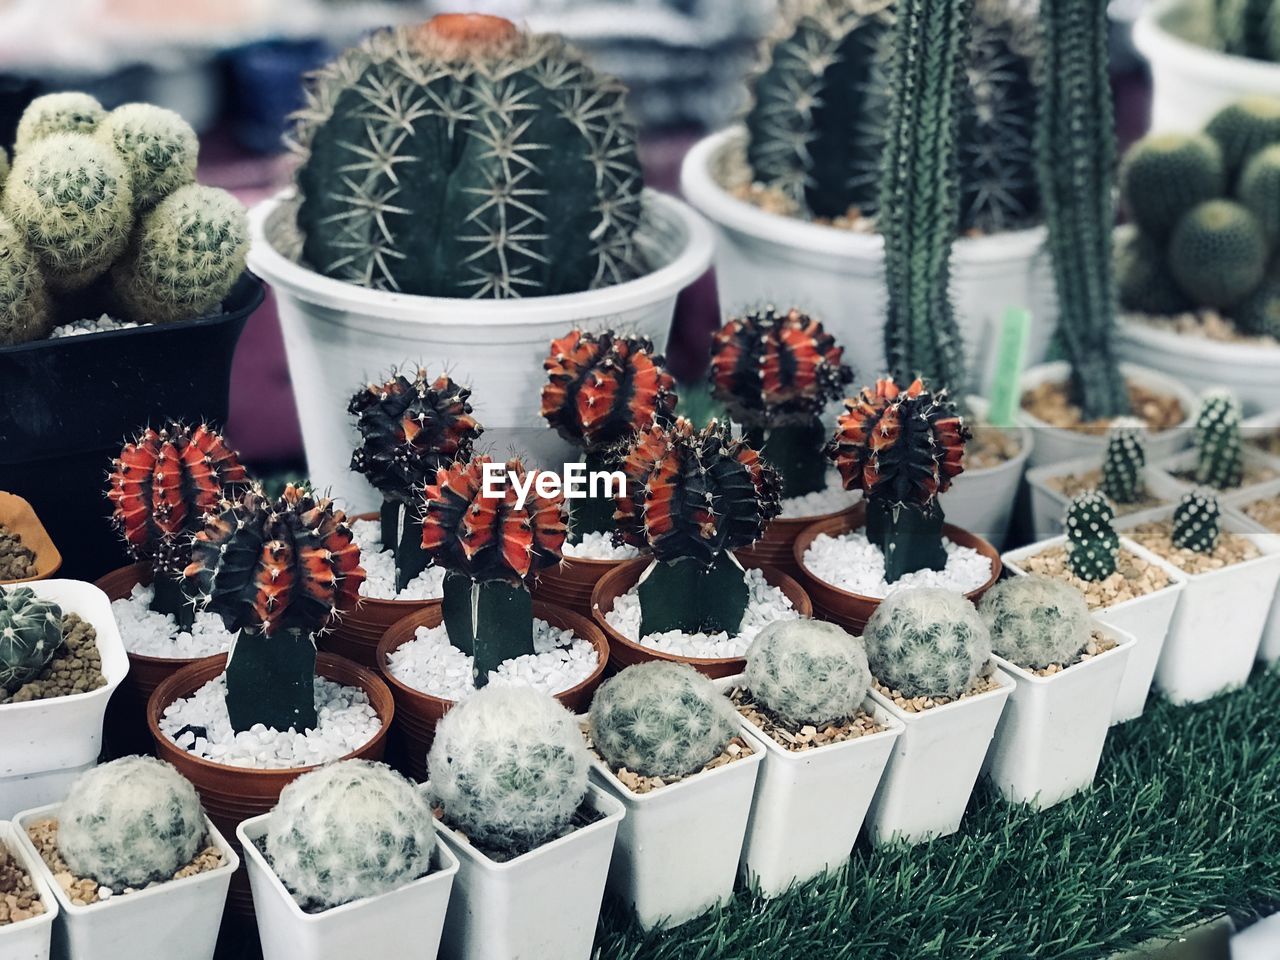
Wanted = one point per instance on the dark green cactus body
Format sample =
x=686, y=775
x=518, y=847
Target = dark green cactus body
x=1219, y=449
x=1218, y=254
x=30, y=635
x=1125, y=457
x=1143, y=278
x=1247, y=28
x=1259, y=191
x=1243, y=129
x=1092, y=542
x=1165, y=175
x=1195, y=522
x=1259, y=314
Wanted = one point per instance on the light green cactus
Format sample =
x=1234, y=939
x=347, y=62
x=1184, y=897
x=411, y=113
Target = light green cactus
x=157, y=146
x=1093, y=546
x=30, y=635
x=927, y=642
x=1195, y=522
x=25, y=313
x=1036, y=621
x=57, y=113
x=807, y=671
x=1219, y=447
x=1124, y=459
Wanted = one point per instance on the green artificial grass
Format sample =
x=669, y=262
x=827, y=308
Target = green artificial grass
x=1182, y=825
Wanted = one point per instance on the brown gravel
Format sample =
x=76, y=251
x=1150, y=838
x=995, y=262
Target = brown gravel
x=1253, y=473
x=990, y=447
x=1097, y=644
x=1231, y=548
x=1050, y=403
x=1071, y=484
x=77, y=668
x=772, y=200
x=1265, y=511
x=800, y=737
x=18, y=898
x=1268, y=442
x=737, y=749
x=1201, y=323
x=17, y=562
x=984, y=684
x=1134, y=577
x=83, y=891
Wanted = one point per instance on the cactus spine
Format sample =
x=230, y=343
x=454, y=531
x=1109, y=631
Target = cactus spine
x=1093, y=545
x=25, y=313
x=1219, y=449
x=158, y=147
x=57, y=113
x=1125, y=457
x=1036, y=621
x=30, y=636
x=1195, y=522
x=807, y=671
x=927, y=642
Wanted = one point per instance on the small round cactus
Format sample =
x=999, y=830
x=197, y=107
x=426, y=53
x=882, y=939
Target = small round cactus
x=57, y=113
x=661, y=719
x=25, y=313
x=1219, y=448
x=1242, y=129
x=157, y=146
x=1259, y=191
x=350, y=830
x=1036, y=621
x=1166, y=174
x=807, y=671
x=1092, y=542
x=927, y=642
x=1144, y=281
x=1125, y=457
x=130, y=822
x=509, y=768
x=1195, y=522
x=1218, y=253
x=30, y=635
x=1259, y=314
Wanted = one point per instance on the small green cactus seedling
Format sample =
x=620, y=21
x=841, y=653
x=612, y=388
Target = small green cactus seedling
x=157, y=146
x=1036, y=621
x=30, y=635
x=1195, y=522
x=509, y=767
x=1144, y=281
x=1218, y=253
x=807, y=671
x=927, y=642
x=57, y=113
x=350, y=830
x=1166, y=174
x=661, y=719
x=1125, y=457
x=1219, y=449
x=1242, y=129
x=130, y=822
x=1092, y=542
x=24, y=302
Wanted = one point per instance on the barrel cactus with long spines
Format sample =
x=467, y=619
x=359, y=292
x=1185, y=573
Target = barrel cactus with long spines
x=1166, y=174
x=1093, y=545
x=927, y=642
x=807, y=671
x=25, y=313
x=158, y=148
x=30, y=635
x=1196, y=521
x=1218, y=443
x=1125, y=457
x=1036, y=621
x=57, y=113
x=425, y=165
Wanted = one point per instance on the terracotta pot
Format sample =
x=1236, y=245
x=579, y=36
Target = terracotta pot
x=775, y=548
x=17, y=516
x=234, y=794
x=417, y=713
x=624, y=652
x=852, y=610
x=569, y=585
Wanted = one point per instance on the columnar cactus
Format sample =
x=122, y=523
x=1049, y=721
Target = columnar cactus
x=1092, y=542
x=1124, y=460
x=1036, y=621
x=508, y=768
x=57, y=113
x=1195, y=522
x=1219, y=449
x=927, y=642
x=158, y=147
x=661, y=719
x=807, y=671
x=25, y=313
x=349, y=830
x=424, y=165
x=30, y=636
x=901, y=447
x=130, y=822
x=776, y=373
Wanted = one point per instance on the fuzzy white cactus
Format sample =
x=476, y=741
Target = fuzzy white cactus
x=1036, y=621
x=57, y=113
x=24, y=304
x=927, y=642
x=157, y=146
x=807, y=671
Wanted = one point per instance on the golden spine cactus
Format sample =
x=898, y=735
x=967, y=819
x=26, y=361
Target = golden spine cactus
x=158, y=147
x=25, y=313
x=57, y=113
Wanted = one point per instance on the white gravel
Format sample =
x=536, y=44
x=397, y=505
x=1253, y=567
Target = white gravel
x=100, y=325
x=599, y=546
x=832, y=499
x=431, y=664
x=765, y=604
x=347, y=722
x=380, y=569
x=151, y=634
x=852, y=563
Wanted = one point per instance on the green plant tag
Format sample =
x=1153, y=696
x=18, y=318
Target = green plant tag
x=1011, y=351
x=686, y=596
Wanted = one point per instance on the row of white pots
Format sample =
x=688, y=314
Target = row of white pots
x=1269, y=646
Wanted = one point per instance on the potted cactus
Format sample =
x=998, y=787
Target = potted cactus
x=433, y=265
x=1219, y=459
x=26, y=551
x=669, y=745
x=348, y=862
x=509, y=776
x=134, y=862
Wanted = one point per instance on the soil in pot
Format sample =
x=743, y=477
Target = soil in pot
x=990, y=447
x=1051, y=403
x=19, y=899
x=26, y=552
x=797, y=737
x=1135, y=576
x=1206, y=323
x=1098, y=644
x=584, y=816
x=1071, y=484
x=1265, y=511
x=1231, y=548
x=832, y=499
x=1268, y=442
x=736, y=749
x=17, y=560
x=584, y=562
x=986, y=682
x=76, y=668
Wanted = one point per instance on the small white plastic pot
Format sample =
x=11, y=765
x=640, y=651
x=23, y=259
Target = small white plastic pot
x=1049, y=505
x=1052, y=731
x=934, y=766
x=544, y=903
x=1269, y=648
x=838, y=275
x=179, y=918
x=809, y=806
x=1146, y=619
x=679, y=846
x=28, y=939
x=339, y=335
x=981, y=501
x=46, y=744
x=1186, y=460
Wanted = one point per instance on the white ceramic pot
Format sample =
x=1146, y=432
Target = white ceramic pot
x=809, y=806
x=934, y=766
x=982, y=501
x=544, y=903
x=679, y=846
x=1269, y=648
x=1049, y=505
x=46, y=744
x=178, y=918
x=339, y=335
x=1052, y=731
x=1191, y=82
x=28, y=939
x=838, y=275
x=1055, y=444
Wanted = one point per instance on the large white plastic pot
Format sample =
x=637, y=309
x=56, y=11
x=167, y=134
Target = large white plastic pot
x=46, y=744
x=934, y=766
x=982, y=501
x=28, y=939
x=679, y=845
x=1146, y=619
x=339, y=335
x=544, y=903
x=1269, y=648
x=1191, y=82
x=1052, y=731
x=179, y=918
x=1049, y=505
x=838, y=275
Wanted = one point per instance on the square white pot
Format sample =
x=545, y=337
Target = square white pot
x=46, y=744
x=406, y=922
x=1052, y=731
x=1186, y=460
x=28, y=939
x=1049, y=505
x=934, y=766
x=810, y=805
x=544, y=903
x=1269, y=648
x=1146, y=619
x=178, y=919
x=679, y=846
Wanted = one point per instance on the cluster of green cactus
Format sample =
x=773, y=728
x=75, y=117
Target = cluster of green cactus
x=927, y=642
x=1093, y=546
x=1036, y=621
x=30, y=636
x=1218, y=443
x=1241, y=28
x=1125, y=457
x=807, y=671
x=1195, y=521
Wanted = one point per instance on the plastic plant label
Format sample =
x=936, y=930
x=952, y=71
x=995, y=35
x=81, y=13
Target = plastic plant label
x=1011, y=351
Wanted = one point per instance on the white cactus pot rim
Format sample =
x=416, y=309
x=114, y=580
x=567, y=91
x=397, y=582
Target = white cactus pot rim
x=1058, y=371
x=1212, y=353
x=1177, y=578
x=1123, y=640
x=1006, y=685
x=1230, y=521
x=1026, y=440
x=1155, y=42
x=748, y=733
x=11, y=840
x=1237, y=500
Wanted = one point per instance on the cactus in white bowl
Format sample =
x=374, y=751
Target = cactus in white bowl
x=807, y=671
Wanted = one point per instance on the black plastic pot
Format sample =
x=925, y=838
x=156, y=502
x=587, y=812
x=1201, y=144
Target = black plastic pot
x=67, y=405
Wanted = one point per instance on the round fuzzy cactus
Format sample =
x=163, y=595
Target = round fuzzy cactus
x=1036, y=621
x=661, y=719
x=1244, y=128
x=30, y=635
x=1166, y=174
x=57, y=113
x=349, y=830
x=807, y=671
x=157, y=146
x=1144, y=282
x=927, y=642
x=1195, y=522
x=25, y=313
x=1092, y=542
x=1218, y=253
x=1219, y=448
x=1259, y=191
x=1124, y=459
x=130, y=822
x=508, y=766
x=426, y=165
